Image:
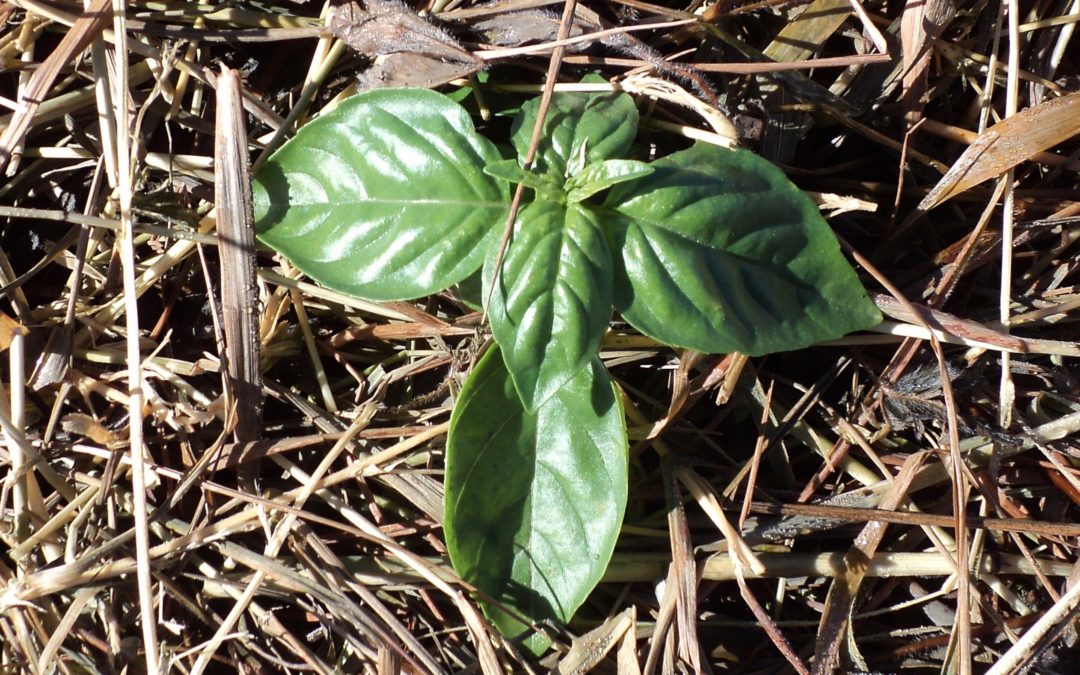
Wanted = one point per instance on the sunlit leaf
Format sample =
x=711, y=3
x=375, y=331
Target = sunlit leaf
x=717, y=251
x=534, y=501
x=552, y=301
x=385, y=197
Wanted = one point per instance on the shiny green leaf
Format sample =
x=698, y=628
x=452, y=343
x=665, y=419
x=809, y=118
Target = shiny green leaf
x=534, y=501
x=385, y=197
x=552, y=301
x=718, y=251
x=510, y=171
x=602, y=175
x=579, y=129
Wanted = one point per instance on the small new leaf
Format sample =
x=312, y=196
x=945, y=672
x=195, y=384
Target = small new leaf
x=543, y=184
x=602, y=175
x=603, y=124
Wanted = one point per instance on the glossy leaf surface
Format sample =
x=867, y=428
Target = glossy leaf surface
x=718, y=251
x=510, y=171
x=552, y=301
x=384, y=197
x=534, y=501
x=579, y=129
x=602, y=175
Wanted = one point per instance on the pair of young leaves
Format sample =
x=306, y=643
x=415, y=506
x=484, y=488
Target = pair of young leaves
x=393, y=195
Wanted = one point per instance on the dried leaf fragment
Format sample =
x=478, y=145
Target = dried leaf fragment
x=921, y=21
x=1006, y=144
x=8, y=328
x=408, y=50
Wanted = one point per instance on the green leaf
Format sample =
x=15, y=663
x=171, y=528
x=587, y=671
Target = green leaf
x=470, y=291
x=534, y=502
x=510, y=171
x=384, y=197
x=718, y=251
x=602, y=175
x=552, y=301
x=603, y=124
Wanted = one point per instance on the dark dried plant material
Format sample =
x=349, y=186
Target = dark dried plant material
x=236, y=248
x=523, y=27
x=725, y=9
x=407, y=50
x=915, y=402
x=922, y=23
x=76, y=409
x=536, y=26
x=55, y=359
x=760, y=530
x=911, y=401
x=89, y=24
x=683, y=570
x=799, y=39
x=411, y=51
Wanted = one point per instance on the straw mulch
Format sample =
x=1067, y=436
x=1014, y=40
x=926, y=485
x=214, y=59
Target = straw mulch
x=898, y=519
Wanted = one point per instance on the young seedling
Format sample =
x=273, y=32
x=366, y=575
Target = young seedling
x=393, y=195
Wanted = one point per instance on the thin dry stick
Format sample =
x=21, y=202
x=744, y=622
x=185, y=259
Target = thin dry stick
x=106, y=120
x=313, y=351
x=134, y=357
x=955, y=271
x=755, y=460
x=322, y=49
x=858, y=514
x=960, y=487
x=20, y=504
x=236, y=236
x=1021, y=652
x=1007, y=390
x=769, y=626
x=26, y=44
x=902, y=167
x=275, y=544
x=662, y=624
x=869, y=27
x=738, y=549
x=565, y=24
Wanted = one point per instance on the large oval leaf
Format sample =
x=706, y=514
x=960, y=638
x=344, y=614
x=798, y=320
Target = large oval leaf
x=384, y=197
x=718, y=251
x=552, y=302
x=579, y=129
x=534, y=502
